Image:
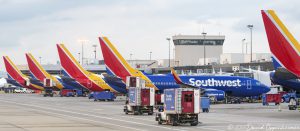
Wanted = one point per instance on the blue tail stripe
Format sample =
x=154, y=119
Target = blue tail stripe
x=276, y=64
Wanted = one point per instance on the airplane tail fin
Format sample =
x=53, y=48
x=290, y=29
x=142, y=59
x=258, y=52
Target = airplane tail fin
x=39, y=72
x=284, y=47
x=15, y=74
x=114, y=60
x=117, y=65
x=35, y=68
x=69, y=63
x=12, y=70
x=74, y=70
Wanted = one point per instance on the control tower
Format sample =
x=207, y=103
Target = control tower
x=189, y=49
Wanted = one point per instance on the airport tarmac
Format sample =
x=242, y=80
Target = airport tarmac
x=31, y=112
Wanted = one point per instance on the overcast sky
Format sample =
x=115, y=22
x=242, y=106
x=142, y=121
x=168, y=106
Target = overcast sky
x=135, y=26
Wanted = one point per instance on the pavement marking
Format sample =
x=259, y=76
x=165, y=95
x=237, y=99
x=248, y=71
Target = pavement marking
x=207, y=128
x=90, y=115
x=62, y=115
x=129, y=116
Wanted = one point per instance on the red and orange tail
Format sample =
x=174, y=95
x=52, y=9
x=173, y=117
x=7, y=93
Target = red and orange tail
x=89, y=80
x=70, y=64
x=284, y=47
x=35, y=68
x=17, y=75
x=117, y=65
x=39, y=72
x=13, y=71
x=114, y=60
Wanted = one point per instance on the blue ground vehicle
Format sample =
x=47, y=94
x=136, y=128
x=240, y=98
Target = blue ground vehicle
x=288, y=96
x=205, y=104
x=104, y=96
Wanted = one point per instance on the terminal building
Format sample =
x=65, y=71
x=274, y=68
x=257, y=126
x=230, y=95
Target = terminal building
x=189, y=49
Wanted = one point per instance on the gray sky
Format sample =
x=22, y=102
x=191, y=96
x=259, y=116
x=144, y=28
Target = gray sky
x=135, y=26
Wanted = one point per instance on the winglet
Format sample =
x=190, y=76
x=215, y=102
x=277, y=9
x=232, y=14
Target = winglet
x=284, y=47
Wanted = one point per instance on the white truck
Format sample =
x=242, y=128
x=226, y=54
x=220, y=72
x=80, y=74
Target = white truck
x=181, y=105
x=140, y=99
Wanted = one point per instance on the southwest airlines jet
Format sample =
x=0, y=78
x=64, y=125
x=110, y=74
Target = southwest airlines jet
x=17, y=78
x=231, y=85
x=39, y=73
x=74, y=70
x=285, y=50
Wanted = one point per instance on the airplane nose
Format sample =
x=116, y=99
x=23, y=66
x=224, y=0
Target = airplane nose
x=265, y=89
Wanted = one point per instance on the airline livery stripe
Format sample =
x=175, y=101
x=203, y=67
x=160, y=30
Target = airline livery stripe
x=281, y=47
x=13, y=66
x=118, y=64
x=282, y=28
x=34, y=64
x=39, y=72
x=118, y=55
x=79, y=73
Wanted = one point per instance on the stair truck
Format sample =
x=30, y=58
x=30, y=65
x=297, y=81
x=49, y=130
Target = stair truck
x=181, y=105
x=140, y=99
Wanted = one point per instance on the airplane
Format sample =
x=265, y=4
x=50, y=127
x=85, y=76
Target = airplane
x=2, y=82
x=59, y=83
x=91, y=81
x=285, y=51
x=17, y=78
x=231, y=85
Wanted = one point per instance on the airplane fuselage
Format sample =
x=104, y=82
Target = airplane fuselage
x=232, y=85
x=293, y=84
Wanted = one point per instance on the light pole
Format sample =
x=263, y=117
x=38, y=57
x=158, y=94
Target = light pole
x=250, y=27
x=82, y=41
x=243, y=43
x=204, y=47
x=131, y=56
x=95, y=46
x=40, y=59
x=79, y=57
x=150, y=54
x=169, y=39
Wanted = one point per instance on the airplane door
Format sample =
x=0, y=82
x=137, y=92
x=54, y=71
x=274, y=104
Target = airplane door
x=249, y=85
